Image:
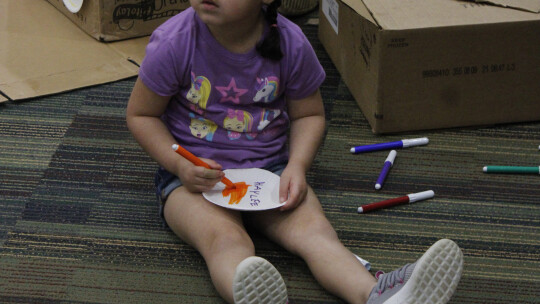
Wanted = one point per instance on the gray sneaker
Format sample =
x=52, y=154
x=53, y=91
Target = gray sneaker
x=257, y=281
x=430, y=280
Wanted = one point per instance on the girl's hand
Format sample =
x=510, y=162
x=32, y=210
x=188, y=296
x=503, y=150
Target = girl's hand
x=292, y=187
x=200, y=179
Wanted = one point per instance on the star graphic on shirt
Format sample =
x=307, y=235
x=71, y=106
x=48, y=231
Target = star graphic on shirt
x=231, y=92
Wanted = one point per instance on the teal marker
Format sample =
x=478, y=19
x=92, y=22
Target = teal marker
x=512, y=169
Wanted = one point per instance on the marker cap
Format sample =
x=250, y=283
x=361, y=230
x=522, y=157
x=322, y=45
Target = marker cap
x=415, y=142
x=363, y=262
x=415, y=197
x=391, y=157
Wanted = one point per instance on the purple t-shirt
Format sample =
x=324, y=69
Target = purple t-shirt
x=226, y=106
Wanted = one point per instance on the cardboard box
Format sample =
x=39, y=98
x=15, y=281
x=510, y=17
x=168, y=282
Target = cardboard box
x=111, y=20
x=42, y=52
x=418, y=64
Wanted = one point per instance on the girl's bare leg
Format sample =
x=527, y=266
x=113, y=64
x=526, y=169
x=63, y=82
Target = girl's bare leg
x=217, y=233
x=306, y=232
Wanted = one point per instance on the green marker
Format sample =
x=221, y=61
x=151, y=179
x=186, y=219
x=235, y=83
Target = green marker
x=512, y=169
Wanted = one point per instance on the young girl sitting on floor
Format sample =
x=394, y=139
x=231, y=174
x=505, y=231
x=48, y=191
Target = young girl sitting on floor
x=227, y=80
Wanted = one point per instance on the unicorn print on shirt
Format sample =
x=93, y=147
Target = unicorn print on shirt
x=267, y=116
x=267, y=89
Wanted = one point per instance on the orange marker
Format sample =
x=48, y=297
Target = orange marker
x=198, y=162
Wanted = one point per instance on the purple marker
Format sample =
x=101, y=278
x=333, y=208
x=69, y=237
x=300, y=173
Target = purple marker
x=388, y=163
x=404, y=143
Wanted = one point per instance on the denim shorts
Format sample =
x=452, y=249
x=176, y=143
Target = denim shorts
x=166, y=182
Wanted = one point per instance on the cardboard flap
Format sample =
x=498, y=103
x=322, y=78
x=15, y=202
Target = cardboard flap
x=42, y=52
x=526, y=5
x=360, y=7
x=408, y=14
x=132, y=49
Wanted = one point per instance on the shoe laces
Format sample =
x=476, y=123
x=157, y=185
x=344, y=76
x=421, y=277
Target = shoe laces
x=389, y=280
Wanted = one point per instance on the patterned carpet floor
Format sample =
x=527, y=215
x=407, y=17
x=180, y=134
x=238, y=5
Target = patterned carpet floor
x=79, y=221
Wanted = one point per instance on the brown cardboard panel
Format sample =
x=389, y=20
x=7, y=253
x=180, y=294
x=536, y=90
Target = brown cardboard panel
x=42, y=52
x=132, y=49
x=406, y=14
x=411, y=68
x=526, y=5
x=108, y=20
x=484, y=81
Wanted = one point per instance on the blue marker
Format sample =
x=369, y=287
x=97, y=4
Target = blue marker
x=405, y=143
x=388, y=163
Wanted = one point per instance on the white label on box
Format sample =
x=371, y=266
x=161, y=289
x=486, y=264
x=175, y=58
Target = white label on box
x=330, y=9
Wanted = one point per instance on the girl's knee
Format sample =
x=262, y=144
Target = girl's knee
x=225, y=239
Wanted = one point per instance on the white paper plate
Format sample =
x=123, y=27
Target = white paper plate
x=262, y=192
x=73, y=6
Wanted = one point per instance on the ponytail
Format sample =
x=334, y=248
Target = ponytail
x=270, y=47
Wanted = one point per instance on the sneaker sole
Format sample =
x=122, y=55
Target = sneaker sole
x=435, y=276
x=257, y=281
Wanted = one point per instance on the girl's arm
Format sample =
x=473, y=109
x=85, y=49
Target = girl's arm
x=143, y=120
x=306, y=133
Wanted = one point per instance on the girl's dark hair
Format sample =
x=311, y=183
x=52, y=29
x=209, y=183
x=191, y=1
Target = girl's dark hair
x=270, y=47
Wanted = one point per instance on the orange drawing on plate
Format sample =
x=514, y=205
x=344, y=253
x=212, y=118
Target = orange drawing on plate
x=236, y=193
